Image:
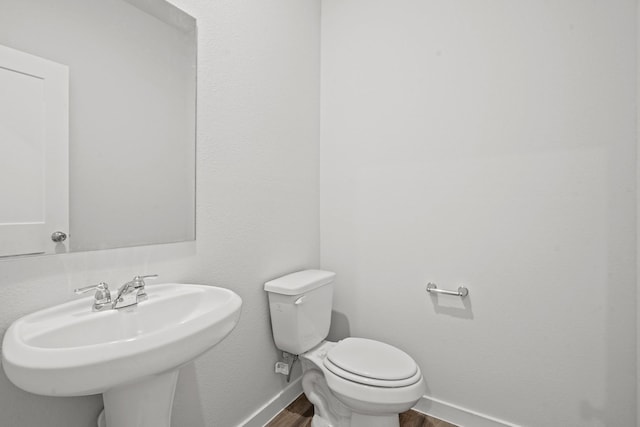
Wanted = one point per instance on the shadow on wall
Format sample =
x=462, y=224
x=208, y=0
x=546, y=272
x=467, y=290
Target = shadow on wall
x=454, y=307
x=20, y=408
x=339, y=329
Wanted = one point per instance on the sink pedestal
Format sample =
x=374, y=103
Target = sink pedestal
x=145, y=403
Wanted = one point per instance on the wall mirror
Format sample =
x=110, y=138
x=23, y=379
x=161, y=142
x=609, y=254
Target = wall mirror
x=97, y=124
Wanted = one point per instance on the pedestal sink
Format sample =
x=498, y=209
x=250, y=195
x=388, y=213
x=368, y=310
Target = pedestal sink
x=130, y=355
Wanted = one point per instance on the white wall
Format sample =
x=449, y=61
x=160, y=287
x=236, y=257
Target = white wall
x=257, y=213
x=490, y=144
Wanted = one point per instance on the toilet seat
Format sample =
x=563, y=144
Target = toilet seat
x=372, y=363
x=360, y=394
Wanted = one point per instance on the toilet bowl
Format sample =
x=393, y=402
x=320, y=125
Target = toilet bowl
x=359, y=382
x=355, y=382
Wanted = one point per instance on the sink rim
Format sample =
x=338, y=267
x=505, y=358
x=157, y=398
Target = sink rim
x=22, y=360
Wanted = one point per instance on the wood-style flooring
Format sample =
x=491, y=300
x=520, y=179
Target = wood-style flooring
x=300, y=412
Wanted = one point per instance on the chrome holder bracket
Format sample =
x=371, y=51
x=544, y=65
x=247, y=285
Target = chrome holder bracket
x=461, y=292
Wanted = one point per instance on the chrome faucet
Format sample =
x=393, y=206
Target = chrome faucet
x=131, y=293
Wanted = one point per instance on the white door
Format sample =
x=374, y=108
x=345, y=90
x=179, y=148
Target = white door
x=34, y=159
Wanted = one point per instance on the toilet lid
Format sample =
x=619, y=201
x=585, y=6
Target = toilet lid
x=372, y=362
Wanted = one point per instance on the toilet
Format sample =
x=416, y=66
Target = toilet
x=355, y=382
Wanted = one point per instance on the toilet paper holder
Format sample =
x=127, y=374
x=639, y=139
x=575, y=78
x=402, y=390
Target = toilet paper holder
x=461, y=292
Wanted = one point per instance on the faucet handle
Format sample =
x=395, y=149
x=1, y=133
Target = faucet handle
x=102, y=297
x=100, y=287
x=138, y=281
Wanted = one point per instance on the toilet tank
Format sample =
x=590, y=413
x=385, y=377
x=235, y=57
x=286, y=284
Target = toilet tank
x=300, y=305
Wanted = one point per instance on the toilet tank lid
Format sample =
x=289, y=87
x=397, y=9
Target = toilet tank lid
x=299, y=282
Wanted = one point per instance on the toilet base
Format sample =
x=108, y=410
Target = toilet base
x=362, y=420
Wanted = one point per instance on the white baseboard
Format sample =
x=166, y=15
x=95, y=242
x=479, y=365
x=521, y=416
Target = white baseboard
x=427, y=405
x=457, y=415
x=269, y=410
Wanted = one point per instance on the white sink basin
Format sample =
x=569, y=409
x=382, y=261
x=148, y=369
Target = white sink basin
x=69, y=350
